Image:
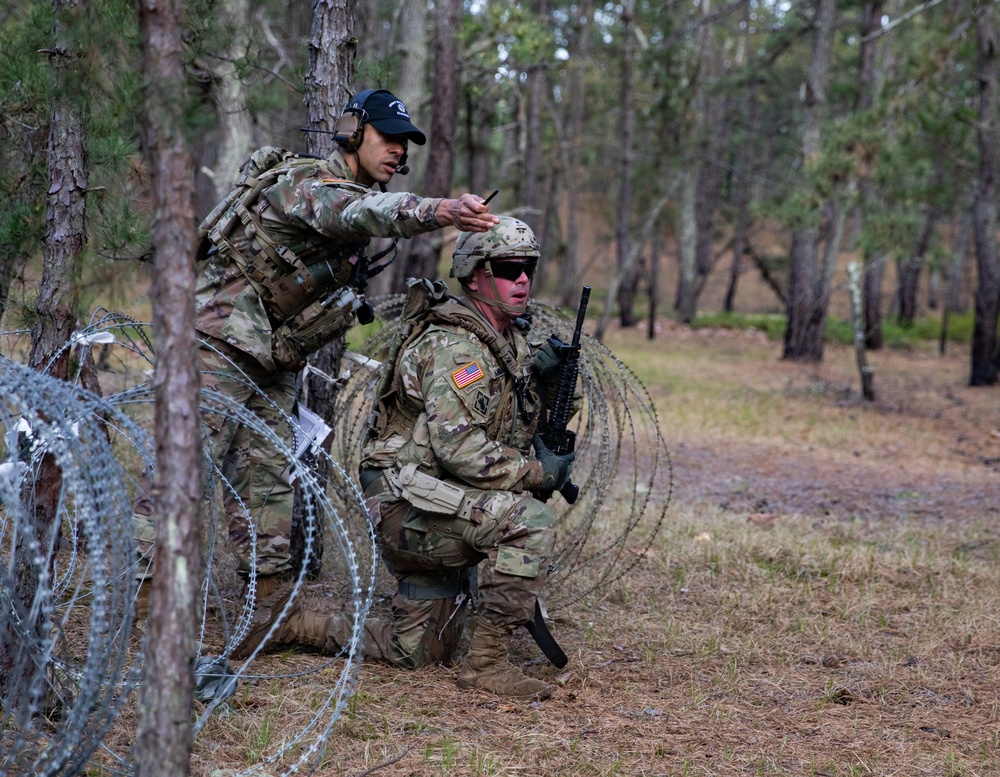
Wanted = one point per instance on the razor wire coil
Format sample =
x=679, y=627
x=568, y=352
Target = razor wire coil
x=85, y=569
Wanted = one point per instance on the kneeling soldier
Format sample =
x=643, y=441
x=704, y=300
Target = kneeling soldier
x=449, y=474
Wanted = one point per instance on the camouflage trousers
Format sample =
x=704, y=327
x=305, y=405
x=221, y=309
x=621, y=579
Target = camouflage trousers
x=510, y=537
x=255, y=475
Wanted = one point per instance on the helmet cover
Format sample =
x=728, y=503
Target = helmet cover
x=510, y=239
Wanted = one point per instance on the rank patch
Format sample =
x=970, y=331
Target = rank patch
x=467, y=375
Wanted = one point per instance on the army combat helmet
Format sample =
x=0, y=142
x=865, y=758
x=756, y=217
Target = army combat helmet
x=509, y=240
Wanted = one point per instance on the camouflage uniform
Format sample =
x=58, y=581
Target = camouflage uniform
x=459, y=417
x=320, y=213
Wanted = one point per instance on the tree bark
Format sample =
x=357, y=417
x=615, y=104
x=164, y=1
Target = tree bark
x=955, y=300
x=229, y=93
x=167, y=694
x=654, y=283
x=686, y=232
x=332, y=50
x=711, y=177
x=909, y=276
x=573, y=143
x=62, y=248
x=984, y=334
x=741, y=194
x=413, y=58
x=425, y=250
x=806, y=306
x=478, y=120
x=872, y=264
x=708, y=134
x=629, y=271
x=328, y=86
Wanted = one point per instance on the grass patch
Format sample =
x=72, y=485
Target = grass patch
x=895, y=335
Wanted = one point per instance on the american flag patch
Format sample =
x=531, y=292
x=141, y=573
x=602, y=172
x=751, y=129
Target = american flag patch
x=468, y=375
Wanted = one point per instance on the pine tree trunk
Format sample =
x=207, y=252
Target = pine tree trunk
x=229, y=94
x=167, y=695
x=686, y=230
x=955, y=298
x=741, y=196
x=62, y=247
x=626, y=292
x=332, y=50
x=328, y=81
x=872, y=265
x=984, y=335
x=573, y=142
x=806, y=310
x=413, y=58
x=425, y=250
x=909, y=277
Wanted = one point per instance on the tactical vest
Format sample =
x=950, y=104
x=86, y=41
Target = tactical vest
x=428, y=304
x=308, y=295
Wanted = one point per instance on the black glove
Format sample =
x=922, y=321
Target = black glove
x=547, y=361
x=556, y=468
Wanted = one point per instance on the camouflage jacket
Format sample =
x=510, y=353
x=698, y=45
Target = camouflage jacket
x=461, y=418
x=319, y=212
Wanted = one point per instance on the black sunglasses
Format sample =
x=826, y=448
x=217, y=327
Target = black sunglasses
x=511, y=271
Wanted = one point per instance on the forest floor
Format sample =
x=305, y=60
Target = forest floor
x=821, y=599
x=929, y=445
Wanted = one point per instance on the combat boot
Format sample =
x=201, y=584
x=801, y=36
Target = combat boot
x=487, y=667
x=300, y=626
x=268, y=585
x=140, y=613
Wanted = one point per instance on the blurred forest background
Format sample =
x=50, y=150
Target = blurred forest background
x=651, y=145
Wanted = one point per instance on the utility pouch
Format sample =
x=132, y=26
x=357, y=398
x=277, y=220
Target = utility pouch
x=320, y=323
x=288, y=294
x=429, y=494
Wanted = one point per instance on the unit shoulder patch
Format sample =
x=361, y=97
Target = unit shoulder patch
x=467, y=375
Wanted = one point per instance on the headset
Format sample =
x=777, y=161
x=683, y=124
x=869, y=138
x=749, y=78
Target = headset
x=349, y=131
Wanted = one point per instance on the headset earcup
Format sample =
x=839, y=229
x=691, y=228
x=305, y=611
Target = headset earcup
x=348, y=132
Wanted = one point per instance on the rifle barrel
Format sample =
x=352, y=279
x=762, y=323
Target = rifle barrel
x=581, y=314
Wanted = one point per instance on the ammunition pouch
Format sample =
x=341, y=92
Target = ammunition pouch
x=283, y=281
x=429, y=494
x=320, y=323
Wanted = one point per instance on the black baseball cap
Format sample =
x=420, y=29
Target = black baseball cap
x=387, y=113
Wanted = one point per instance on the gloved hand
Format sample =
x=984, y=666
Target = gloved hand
x=547, y=360
x=556, y=468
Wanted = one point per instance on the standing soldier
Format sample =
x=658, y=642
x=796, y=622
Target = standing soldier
x=281, y=272
x=449, y=476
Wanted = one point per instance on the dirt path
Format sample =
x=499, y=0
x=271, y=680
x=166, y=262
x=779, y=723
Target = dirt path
x=770, y=481
x=928, y=447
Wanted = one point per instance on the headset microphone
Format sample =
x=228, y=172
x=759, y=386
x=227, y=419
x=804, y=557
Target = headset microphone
x=403, y=169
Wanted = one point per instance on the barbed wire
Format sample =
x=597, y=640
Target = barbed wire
x=68, y=587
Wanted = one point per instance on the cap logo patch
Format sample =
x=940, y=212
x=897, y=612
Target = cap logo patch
x=400, y=108
x=467, y=375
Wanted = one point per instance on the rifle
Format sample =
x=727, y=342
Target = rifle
x=555, y=435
